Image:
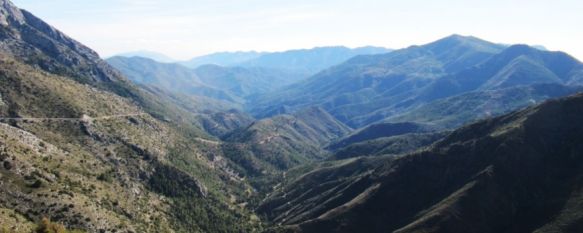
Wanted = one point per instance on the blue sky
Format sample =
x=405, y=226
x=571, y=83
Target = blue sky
x=186, y=28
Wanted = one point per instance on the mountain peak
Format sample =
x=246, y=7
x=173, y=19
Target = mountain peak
x=456, y=39
x=10, y=13
x=520, y=48
x=25, y=35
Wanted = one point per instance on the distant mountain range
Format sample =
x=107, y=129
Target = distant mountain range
x=218, y=76
x=301, y=62
x=230, y=84
x=222, y=59
x=305, y=60
x=371, y=88
x=159, y=57
x=310, y=61
x=172, y=77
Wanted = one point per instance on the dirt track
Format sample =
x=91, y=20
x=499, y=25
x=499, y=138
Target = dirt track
x=83, y=118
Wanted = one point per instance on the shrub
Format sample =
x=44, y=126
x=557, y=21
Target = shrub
x=46, y=226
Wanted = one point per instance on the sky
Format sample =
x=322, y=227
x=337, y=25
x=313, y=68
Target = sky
x=183, y=29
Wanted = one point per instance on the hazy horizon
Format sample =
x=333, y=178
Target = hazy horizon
x=184, y=29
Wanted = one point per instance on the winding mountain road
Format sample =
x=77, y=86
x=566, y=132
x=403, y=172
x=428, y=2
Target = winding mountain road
x=82, y=118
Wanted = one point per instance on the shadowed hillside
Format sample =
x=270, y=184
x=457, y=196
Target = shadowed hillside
x=516, y=173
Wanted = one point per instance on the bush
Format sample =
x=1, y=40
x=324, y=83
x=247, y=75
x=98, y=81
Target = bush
x=46, y=226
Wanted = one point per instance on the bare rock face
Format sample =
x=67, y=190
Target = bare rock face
x=10, y=13
x=1, y=101
x=34, y=42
